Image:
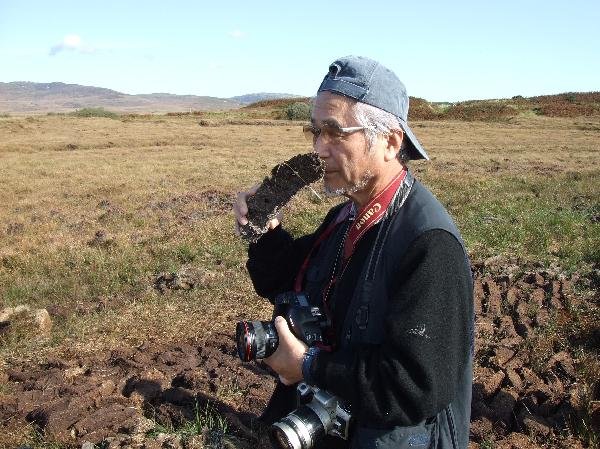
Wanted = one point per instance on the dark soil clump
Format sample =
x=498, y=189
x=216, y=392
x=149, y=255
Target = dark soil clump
x=275, y=191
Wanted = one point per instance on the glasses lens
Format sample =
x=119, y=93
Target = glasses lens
x=310, y=132
x=332, y=131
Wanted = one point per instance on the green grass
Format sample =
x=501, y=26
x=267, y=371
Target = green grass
x=207, y=422
x=545, y=219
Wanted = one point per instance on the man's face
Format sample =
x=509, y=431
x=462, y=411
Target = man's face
x=349, y=165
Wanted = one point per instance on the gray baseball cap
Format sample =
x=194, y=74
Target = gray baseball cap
x=370, y=82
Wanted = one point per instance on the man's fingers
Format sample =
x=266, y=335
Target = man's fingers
x=282, y=327
x=273, y=223
x=241, y=206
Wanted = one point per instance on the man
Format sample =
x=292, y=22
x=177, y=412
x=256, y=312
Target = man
x=388, y=267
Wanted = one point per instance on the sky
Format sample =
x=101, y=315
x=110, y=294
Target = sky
x=441, y=50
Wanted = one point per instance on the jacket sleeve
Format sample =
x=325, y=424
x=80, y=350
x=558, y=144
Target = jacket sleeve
x=414, y=373
x=275, y=259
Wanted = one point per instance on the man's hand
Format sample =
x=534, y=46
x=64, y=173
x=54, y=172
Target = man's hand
x=287, y=359
x=240, y=208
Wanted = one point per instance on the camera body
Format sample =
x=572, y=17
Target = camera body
x=259, y=339
x=320, y=413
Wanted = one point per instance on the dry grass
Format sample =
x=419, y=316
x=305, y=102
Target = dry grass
x=160, y=189
x=141, y=182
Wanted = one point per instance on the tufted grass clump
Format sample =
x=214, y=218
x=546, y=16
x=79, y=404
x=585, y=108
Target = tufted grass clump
x=95, y=112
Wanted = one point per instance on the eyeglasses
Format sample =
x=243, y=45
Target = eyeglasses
x=329, y=131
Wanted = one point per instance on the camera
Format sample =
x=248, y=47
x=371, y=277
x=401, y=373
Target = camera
x=259, y=339
x=319, y=414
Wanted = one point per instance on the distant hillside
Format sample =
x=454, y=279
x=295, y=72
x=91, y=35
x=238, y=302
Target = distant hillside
x=570, y=104
x=263, y=96
x=22, y=97
x=28, y=97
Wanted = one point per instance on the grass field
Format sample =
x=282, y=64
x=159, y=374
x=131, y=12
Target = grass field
x=92, y=210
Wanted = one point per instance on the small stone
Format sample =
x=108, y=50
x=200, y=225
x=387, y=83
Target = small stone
x=87, y=445
x=43, y=321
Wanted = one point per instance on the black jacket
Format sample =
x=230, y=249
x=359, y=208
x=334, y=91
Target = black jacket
x=418, y=367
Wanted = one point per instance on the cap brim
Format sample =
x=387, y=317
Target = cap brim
x=415, y=150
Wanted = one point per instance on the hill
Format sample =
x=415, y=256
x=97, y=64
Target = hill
x=29, y=97
x=570, y=104
x=23, y=97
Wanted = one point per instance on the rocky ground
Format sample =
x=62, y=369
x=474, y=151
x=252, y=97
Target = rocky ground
x=527, y=389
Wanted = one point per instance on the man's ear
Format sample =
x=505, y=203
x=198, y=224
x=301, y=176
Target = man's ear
x=394, y=142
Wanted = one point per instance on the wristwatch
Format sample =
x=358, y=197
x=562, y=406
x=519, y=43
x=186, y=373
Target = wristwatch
x=309, y=355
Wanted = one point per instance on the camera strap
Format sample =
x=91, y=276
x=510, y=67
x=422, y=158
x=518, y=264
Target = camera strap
x=367, y=217
x=371, y=214
x=342, y=215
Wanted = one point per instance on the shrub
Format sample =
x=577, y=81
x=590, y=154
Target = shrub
x=94, y=112
x=297, y=111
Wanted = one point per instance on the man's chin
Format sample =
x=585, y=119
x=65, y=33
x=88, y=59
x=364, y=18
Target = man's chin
x=331, y=190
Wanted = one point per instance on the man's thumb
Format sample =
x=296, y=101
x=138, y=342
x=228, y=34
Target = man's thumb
x=282, y=327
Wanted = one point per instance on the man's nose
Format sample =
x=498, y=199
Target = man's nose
x=321, y=147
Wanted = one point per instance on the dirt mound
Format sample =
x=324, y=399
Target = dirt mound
x=421, y=109
x=523, y=383
x=275, y=191
x=525, y=393
x=125, y=394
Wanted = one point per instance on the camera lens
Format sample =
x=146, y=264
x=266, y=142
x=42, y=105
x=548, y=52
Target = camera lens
x=255, y=339
x=284, y=436
x=300, y=429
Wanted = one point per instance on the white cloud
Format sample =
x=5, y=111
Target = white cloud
x=237, y=34
x=71, y=42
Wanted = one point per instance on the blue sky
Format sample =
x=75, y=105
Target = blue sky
x=441, y=50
